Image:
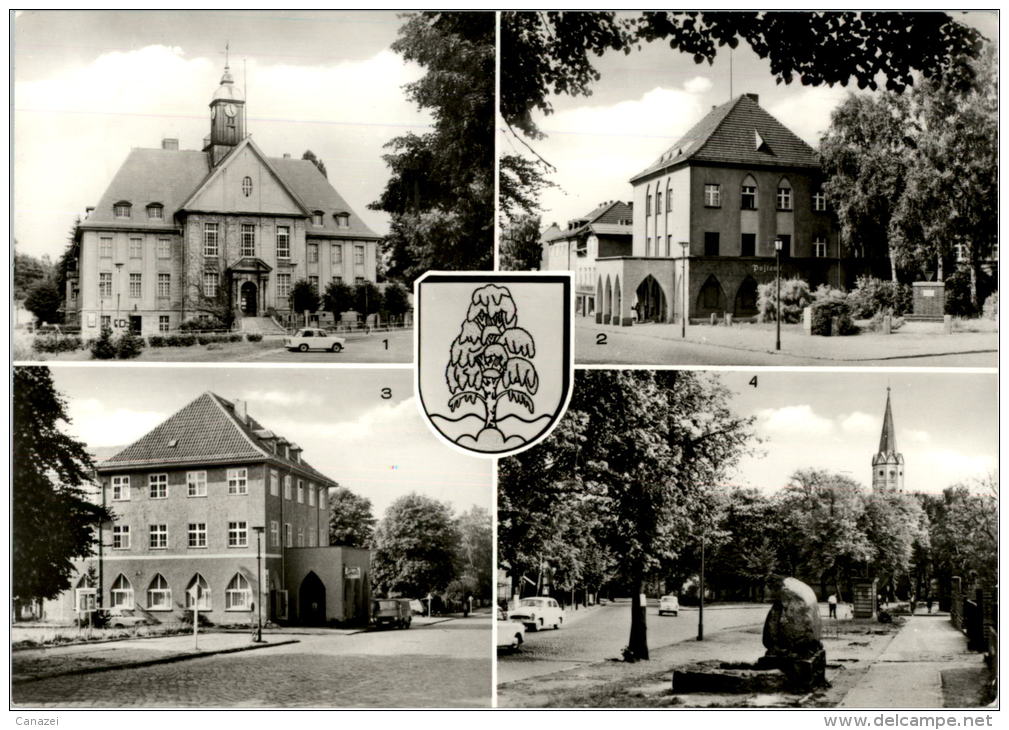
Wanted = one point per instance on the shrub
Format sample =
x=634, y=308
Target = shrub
x=56, y=343
x=958, y=292
x=794, y=298
x=872, y=295
x=990, y=309
x=254, y=337
x=876, y=323
x=198, y=325
x=827, y=308
x=180, y=340
x=235, y=337
x=102, y=347
x=156, y=341
x=129, y=346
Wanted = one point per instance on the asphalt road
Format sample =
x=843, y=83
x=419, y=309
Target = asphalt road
x=442, y=665
x=379, y=347
x=598, y=634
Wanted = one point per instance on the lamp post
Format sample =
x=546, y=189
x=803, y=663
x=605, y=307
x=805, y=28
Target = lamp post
x=683, y=285
x=119, y=286
x=700, y=612
x=777, y=298
x=259, y=584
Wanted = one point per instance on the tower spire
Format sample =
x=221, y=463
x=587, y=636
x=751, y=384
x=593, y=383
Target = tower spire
x=888, y=437
x=887, y=462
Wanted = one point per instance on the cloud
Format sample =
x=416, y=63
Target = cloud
x=915, y=436
x=95, y=424
x=73, y=129
x=807, y=111
x=697, y=85
x=859, y=423
x=389, y=421
x=933, y=469
x=279, y=397
x=798, y=420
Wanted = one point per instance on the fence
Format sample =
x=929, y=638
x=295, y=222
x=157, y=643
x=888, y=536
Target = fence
x=974, y=611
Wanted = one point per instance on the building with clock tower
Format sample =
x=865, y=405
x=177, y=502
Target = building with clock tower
x=887, y=462
x=223, y=232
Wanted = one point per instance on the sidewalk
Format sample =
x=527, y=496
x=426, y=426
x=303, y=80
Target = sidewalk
x=908, y=672
x=32, y=664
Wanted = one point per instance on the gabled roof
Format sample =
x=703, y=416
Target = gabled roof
x=317, y=194
x=603, y=218
x=739, y=132
x=206, y=431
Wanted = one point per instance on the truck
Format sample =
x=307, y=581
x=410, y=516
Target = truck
x=394, y=612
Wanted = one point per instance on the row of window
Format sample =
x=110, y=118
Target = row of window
x=212, y=248
x=156, y=211
x=237, y=594
x=196, y=486
x=748, y=245
x=124, y=209
x=136, y=247
x=136, y=285
x=747, y=197
x=212, y=281
x=196, y=536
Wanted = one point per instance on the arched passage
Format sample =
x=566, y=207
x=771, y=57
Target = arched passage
x=617, y=299
x=312, y=601
x=607, y=301
x=652, y=305
x=249, y=295
x=711, y=297
x=746, y=298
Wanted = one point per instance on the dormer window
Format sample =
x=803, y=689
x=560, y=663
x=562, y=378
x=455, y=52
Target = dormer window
x=122, y=209
x=155, y=211
x=343, y=220
x=317, y=218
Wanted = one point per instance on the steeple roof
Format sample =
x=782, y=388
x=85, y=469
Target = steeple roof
x=888, y=437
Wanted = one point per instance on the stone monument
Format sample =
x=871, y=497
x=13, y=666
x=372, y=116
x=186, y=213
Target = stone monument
x=792, y=634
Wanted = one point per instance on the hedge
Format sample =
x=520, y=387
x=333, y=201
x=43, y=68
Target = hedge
x=57, y=343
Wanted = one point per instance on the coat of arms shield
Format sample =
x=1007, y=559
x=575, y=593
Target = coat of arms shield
x=493, y=357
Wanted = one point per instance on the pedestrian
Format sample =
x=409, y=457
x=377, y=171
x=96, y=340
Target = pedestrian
x=913, y=602
x=832, y=605
x=928, y=602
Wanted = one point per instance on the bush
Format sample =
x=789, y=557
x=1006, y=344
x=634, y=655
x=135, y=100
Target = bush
x=872, y=295
x=56, y=343
x=235, y=337
x=826, y=309
x=156, y=341
x=958, y=292
x=180, y=340
x=990, y=309
x=198, y=325
x=254, y=337
x=794, y=298
x=876, y=323
x=129, y=346
x=102, y=347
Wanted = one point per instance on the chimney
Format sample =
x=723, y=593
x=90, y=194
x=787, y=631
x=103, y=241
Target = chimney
x=287, y=155
x=755, y=97
x=242, y=411
x=170, y=143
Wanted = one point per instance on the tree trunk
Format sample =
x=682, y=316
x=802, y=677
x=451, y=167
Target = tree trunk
x=939, y=275
x=637, y=644
x=490, y=403
x=893, y=266
x=973, y=286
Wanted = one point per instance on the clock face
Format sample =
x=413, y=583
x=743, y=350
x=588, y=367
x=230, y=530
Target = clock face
x=230, y=110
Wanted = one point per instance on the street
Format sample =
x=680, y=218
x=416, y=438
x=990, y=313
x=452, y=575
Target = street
x=597, y=634
x=445, y=664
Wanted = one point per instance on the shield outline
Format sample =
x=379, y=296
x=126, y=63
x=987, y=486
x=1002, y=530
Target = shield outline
x=565, y=279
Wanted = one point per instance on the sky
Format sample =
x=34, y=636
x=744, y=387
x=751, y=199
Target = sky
x=89, y=86
x=946, y=424
x=645, y=101
x=379, y=449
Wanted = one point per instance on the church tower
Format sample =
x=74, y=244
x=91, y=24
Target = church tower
x=227, y=118
x=887, y=463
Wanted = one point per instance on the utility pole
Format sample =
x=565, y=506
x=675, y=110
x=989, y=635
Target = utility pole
x=700, y=613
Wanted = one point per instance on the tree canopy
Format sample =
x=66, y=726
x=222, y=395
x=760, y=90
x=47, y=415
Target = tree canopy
x=339, y=298
x=53, y=519
x=520, y=245
x=415, y=547
x=441, y=191
x=44, y=301
x=350, y=519
x=304, y=297
x=310, y=156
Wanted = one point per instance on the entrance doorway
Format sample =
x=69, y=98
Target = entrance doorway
x=248, y=294
x=312, y=601
x=135, y=324
x=651, y=301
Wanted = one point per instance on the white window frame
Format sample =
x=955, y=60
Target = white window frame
x=283, y=287
x=312, y=253
x=238, y=598
x=311, y=495
x=164, y=285
x=159, y=531
x=287, y=487
x=164, y=248
x=157, y=480
x=238, y=534
x=784, y=198
x=136, y=285
x=819, y=201
x=122, y=484
x=211, y=280
x=105, y=247
x=748, y=191
x=248, y=240
x=301, y=492
x=712, y=195
x=336, y=254
x=211, y=243
x=164, y=323
x=156, y=212
x=121, y=534
x=820, y=247
x=105, y=284
x=274, y=533
x=121, y=597
x=136, y=247
x=88, y=596
x=301, y=536
x=122, y=210
x=274, y=483
x=246, y=186
x=196, y=483
x=196, y=535
x=165, y=594
x=318, y=218
x=288, y=535
x=358, y=254
x=238, y=480
x=283, y=242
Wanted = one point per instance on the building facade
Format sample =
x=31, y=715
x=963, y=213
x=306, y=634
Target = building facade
x=706, y=214
x=195, y=501
x=603, y=232
x=223, y=232
x=887, y=462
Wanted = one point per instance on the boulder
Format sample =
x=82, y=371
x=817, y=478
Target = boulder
x=792, y=627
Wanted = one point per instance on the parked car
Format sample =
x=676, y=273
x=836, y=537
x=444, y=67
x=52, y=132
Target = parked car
x=538, y=613
x=669, y=604
x=417, y=607
x=313, y=338
x=510, y=634
x=123, y=618
x=393, y=612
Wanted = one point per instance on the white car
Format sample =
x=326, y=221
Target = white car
x=669, y=604
x=312, y=338
x=124, y=618
x=538, y=613
x=510, y=634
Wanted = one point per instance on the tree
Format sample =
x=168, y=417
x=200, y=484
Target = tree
x=545, y=53
x=475, y=557
x=963, y=527
x=491, y=357
x=367, y=298
x=396, y=300
x=44, y=301
x=310, y=156
x=415, y=547
x=53, y=518
x=441, y=190
x=339, y=298
x=304, y=297
x=28, y=273
x=213, y=302
x=350, y=519
x=742, y=562
x=521, y=249
x=894, y=523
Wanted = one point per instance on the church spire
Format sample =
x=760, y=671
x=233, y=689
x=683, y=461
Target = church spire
x=888, y=437
x=887, y=463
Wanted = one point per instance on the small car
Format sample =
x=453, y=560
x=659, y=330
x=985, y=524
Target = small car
x=123, y=618
x=669, y=604
x=417, y=607
x=313, y=338
x=510, y=634
x=538, y=613
x=393, y=612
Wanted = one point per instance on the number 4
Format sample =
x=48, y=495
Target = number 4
x=753, y=381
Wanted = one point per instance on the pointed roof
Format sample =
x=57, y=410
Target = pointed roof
x=888, y=437
x=206, y=431
x=739, y=132
x=606, y=218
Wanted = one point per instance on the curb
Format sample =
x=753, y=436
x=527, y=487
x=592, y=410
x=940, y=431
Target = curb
x=434, y=622
x=149, y=662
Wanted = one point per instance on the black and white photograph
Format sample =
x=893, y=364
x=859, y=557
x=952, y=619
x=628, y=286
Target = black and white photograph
x=244, y=538
x=244, y=186
x=771, y=540
x=749, y=188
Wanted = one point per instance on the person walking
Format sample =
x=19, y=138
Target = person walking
x=832, y=605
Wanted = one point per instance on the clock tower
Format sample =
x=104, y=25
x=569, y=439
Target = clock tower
x=887, y=462
x=227, y=118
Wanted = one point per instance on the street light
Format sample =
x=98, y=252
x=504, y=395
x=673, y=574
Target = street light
x=119, y=286
x=683, y=285
x=777, y=299
x=700, y=612
x=259, y=584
